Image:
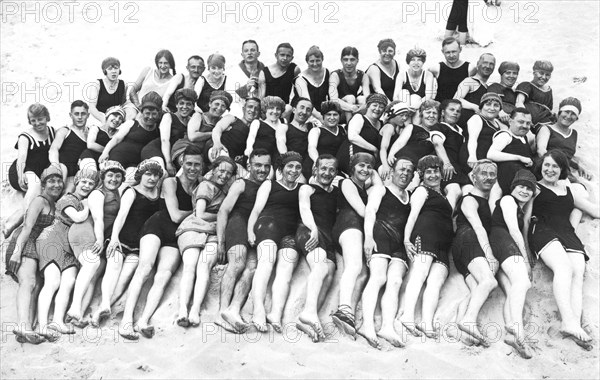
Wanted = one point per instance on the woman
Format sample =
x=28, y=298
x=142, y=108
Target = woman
x=271, y=228
x=481, y=129
x=158, y=242
x=197, y=240
x=326, y=139
x=508, y=243
x=470, y=248
x=396, y=115
x=201, y=125
x=88, y=238
x=363, y=132
x=151, y=80
x=263, y=132
x=109, y=92
x=536, y=95
x=427, y=237
x=417, y=84
x=21, y=253
x=173, y=126
x=553, y=239
x=213, y=81
x=385, y=217
x=138, y=203
x=126, y=145
x=349, y=87
x=24, y=174
x=348, y=233
x=99, y=136
x=58, y=264
x=383, y=73
x=313, y=83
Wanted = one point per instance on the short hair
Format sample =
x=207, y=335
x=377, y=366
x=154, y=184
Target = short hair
x=449, y=41
x=561, y=160
x=216, y=59
x=385, y=43
x=284, y=45
x=299, y=99
x=403, y=158
x=168, y=56
x=480, y=163
x=483, y=55
x=273, y=101
x=37, y=110
x=192, y=150
x=254, y=99
x=80, y=103
x=429, y=162
x=517, y=110
x=250, y=42
x=196, y=57
x=314, y=50
x=326, y=156
x=429, y=103
x=349, y=50
x=220, y=159
x=543, y=65
x=416, y=52
x=508, y=65
x=446, y=102
x=259, y=152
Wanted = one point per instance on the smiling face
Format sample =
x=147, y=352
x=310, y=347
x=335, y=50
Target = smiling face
x=567, y=118
x=260, y=167
x=375, y=110
x=403, y=173
x=192, y=166
x=349, y=63
x=112, y=180
x=302, y=111
x=491, y=109
x=520, y=124
x=550, y=170
x=429, y=117
x=217, y=107
x=362, y=171
x=522, y=193
x=84, y=187
x=331, y=119
x=39, y=123
x=79, y=116
x=291, y=171
x=325, y=172
x=114, y=120
x=387, y=55
x=486, y=65
x=541, y=77
x=53, y=187
x=432, y=177
x=163, y=66
x=251, y=110
x=195, y=68
x=284, y=57
x=150, y=116
x=315, y=63
x=509, y=78
x=222, y=173
x=273, y=113
x=416, y=64
x=185, y=107
x=216, y=71
x=485, y=177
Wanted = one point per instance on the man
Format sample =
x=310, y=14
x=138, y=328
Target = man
x=511, y=150
x=230, y=133
x=277, y=79
x=449, y=74
x=318, y=206
x=232, y=240
x=245, y=75
x=294, y=136
x=195, y=68
x=509, y=71
x=471, y=89
x=69, y=142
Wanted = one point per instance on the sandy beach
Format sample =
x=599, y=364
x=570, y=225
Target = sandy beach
x=51, y=53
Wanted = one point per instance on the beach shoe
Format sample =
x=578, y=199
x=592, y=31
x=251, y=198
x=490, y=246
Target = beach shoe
x=344, y=320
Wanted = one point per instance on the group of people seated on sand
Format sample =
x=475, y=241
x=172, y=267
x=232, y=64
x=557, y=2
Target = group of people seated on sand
x=271, y=165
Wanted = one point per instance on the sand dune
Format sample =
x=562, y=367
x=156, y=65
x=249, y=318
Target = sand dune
x=54, y=53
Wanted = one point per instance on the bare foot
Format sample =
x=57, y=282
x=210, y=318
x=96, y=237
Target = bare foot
x=127, y=331
x=101, y=314
x=194, y=320
x=314, y=322
x=472, y=329
x=146, y=329
x=579, y=336
x=370, y=336
x=61, y=328
x=428, y=329
x=259, y=320
x=235, y=320
x=274, y=322
x=183, y=321
x=225, y=325
x=390, y=335
x=308, y=331
x=522, y=349
x=409, y=324
x=28, y=336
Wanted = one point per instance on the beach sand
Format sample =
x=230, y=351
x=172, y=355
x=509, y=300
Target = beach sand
x=57, y=52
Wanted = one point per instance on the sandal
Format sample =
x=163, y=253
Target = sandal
x=344, y=320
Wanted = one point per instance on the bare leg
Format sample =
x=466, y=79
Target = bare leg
x=232, y=314
x=89, y=293
x=431, y=295
x=208, y=259
x=417, y=276
x=51, y=285
x=267, y=255
x=351, y=242
x=67, y=281
x=89, y=266
x=578, y=265
x=320, y=268
x=377, y=278
x=190, y=260
x=129, y=267
x=516, y=271
x=235, y=267
x=114, y=264
x=389, y=302
x=27, y=283
x=286, y=263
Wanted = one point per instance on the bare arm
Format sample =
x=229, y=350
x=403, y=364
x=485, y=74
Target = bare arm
x=262, y=85
x=93, y=92
x=417, y=200
x=218, y=130
x=351, y=194
x=541, y=140
x=354, y=128
x=126, y=202
x=193, y=129
x=373, y=204
x=22, y=152
x=464, y=88
x=401, y=141
x=313, y=142
x=96, y=205
x=281, y=137
x=91, y=139
x=59, y=139
x=469, y=208
x=301, y=87
x=430, y=85
x=116, y=139
x=251, y=137
x=169, y=194
x=171, y=88
x=135, y=88
x=375, y=78
x=509, y=210
x=474, y=126
x=262, y=195
x=500, y=141
x=229, y=202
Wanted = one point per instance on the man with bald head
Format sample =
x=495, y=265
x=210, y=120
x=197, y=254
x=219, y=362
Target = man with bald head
x=471, y=89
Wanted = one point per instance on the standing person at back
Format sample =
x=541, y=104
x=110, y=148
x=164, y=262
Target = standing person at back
x=450, y=73
x=383, y=73
x=277, y=79
x=244, y=76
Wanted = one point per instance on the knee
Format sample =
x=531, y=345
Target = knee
x=162, y=277
x=51, y=283
x=394, y=283
x=523, y=284
x=144, y=269
x=489, y=283
x=353, y=270
x=27, y=281
x=377, y=279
